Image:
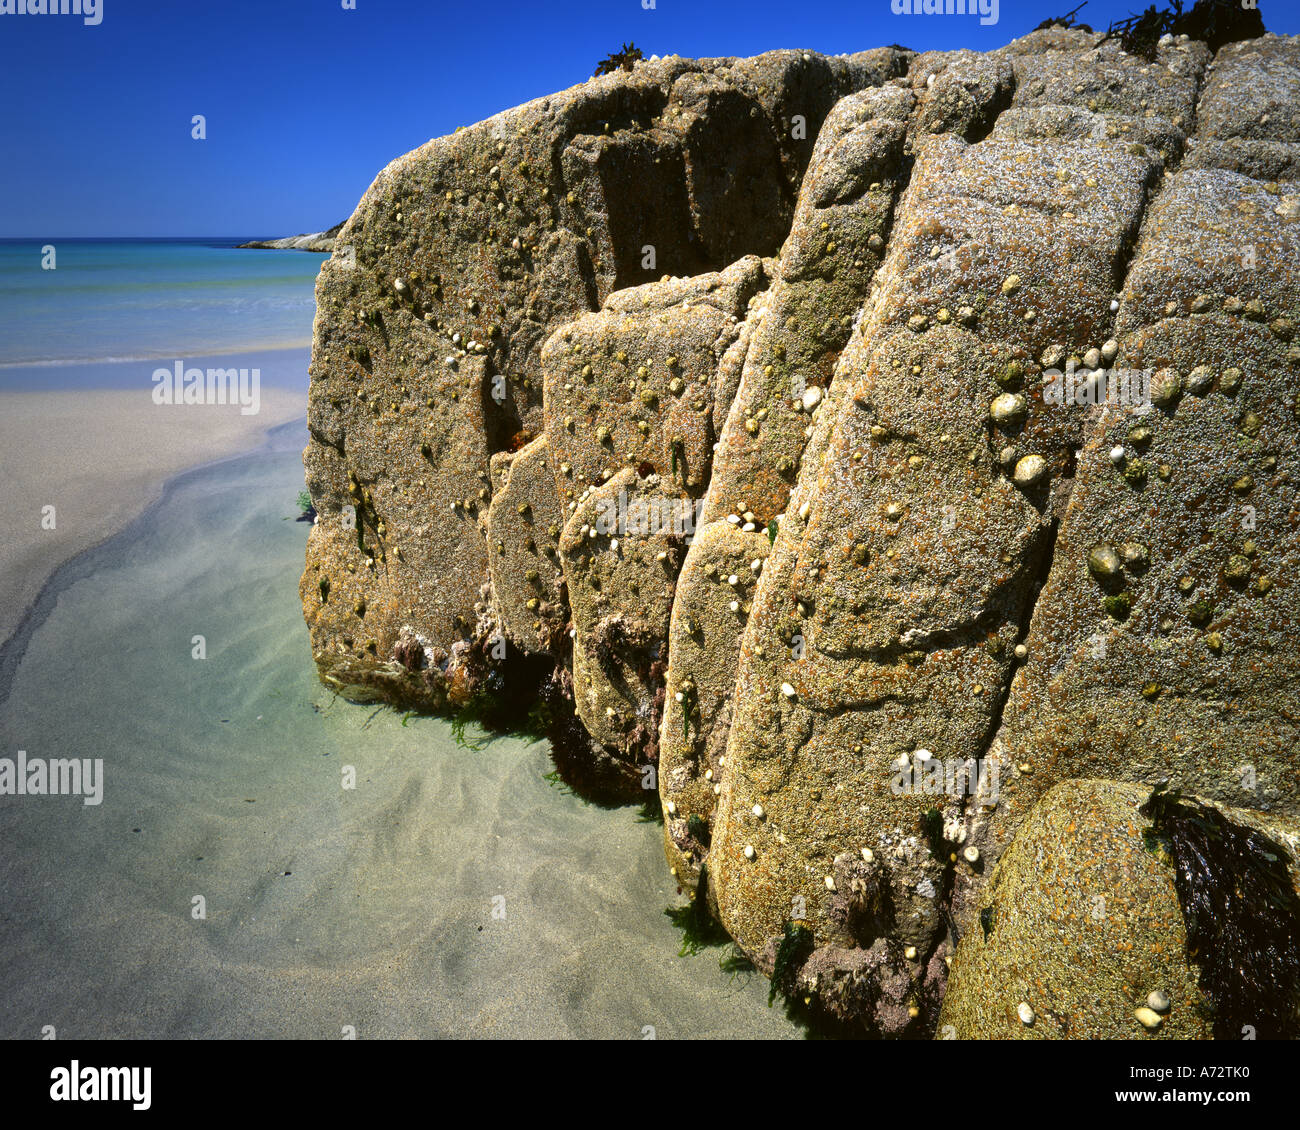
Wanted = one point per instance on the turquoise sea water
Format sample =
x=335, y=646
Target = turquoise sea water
x=147, y=299
x=452, y=892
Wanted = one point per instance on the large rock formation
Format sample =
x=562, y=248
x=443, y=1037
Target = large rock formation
x=875, y=448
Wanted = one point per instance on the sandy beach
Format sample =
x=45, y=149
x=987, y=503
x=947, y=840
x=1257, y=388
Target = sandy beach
x=100, y=458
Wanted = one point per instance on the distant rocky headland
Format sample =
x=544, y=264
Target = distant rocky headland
x=709, y=412
x=314, y=241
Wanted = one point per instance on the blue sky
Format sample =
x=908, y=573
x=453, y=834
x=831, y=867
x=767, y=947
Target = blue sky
x=306, y=100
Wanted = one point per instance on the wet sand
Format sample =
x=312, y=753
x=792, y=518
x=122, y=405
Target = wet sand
x=100, y=457
x=452, y=893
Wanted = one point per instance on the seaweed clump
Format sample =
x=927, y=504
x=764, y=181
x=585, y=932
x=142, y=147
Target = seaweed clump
x=1215, y=22
x=619, y=60
x=699, y=928
x=1241, y=913
x=1066, y=21
x=795, y=948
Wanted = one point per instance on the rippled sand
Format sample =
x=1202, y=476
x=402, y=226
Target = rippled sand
x=100, y=456
x=325, y=907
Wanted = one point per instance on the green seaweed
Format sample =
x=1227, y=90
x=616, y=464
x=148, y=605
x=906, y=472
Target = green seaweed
x=735, y=964
x=458, y=725
x=650, y=811
x=795, y=948
x=554, y=779
x=772, y=530
x=700, y=930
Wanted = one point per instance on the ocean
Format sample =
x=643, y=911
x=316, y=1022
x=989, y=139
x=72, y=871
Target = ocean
x=132, y=301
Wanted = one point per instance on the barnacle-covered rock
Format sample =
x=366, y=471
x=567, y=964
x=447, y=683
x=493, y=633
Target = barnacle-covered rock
x=874, y=452
x=500, y=233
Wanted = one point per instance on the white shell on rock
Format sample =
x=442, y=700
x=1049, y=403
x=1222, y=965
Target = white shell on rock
x=1029, y=470
x=1148, y=1018
x=1008, y=406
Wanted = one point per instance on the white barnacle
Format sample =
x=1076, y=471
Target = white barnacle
x=1148, y=1018
x=1029, y=470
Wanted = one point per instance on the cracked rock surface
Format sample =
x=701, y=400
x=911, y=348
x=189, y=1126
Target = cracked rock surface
x=895, y=458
